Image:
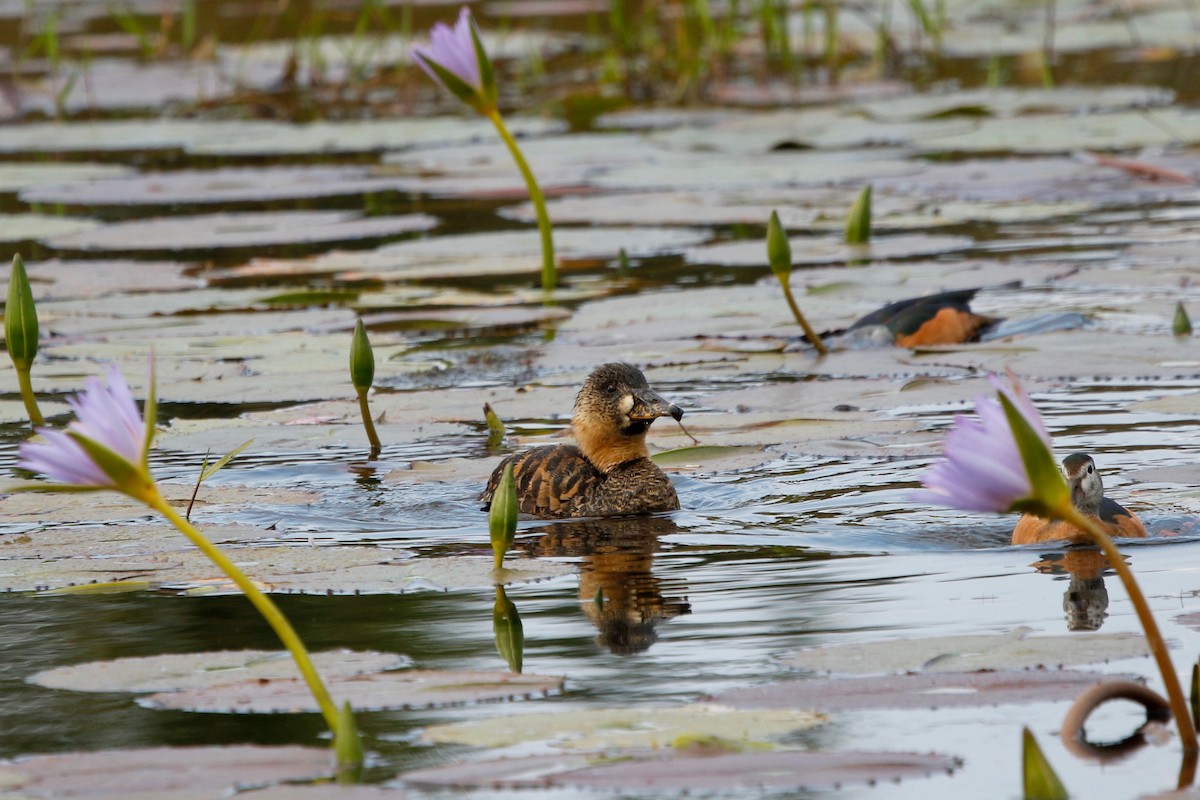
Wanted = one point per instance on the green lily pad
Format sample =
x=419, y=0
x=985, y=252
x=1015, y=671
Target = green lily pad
x=685, y=772
x=1017, y=650
x=246, y=229
x=625, y=728
x=181, y=671
x=162, y=773
x=409, y=689
x=828, y=250
x=36, y=227
x=18, y=176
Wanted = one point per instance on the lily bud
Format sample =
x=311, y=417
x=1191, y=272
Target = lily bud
x=20, y=318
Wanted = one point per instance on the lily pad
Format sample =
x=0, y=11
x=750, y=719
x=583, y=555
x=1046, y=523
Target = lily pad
x=163, y=773
x=683, y=772
x=16, y=177
x=388, y=691
x=828, y=250
x=625, y=728
x=197, y=187
x=1016, y=650
x=36, y=227
x=258, y=229
x=177, y=672
x=920, y=690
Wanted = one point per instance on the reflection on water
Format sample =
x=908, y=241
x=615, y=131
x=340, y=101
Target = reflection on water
x=1085, y=602
x=618, y=590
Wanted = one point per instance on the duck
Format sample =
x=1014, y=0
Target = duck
x=1087, y=494
x=943, y=318
x=608, y=472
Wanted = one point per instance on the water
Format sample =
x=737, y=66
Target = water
x=815, y=544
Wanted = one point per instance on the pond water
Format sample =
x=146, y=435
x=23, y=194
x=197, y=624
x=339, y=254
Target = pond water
x=174, y=208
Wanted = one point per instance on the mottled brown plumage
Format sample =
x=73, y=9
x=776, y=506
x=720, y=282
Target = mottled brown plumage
x=609, y=472
x=1087, y=493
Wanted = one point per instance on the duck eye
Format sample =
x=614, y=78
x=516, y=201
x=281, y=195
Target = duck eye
x=610, y=388
x=1091, y=469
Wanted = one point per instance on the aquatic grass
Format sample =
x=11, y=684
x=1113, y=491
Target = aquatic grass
x=1039, y=779
x=208, y=470
x=779, y=256
x=107, y=448
x=362, y=376
x=1000, y=461
x=456, y=59
x=21, y=335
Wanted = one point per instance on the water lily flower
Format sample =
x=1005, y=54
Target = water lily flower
x=107, y=446
x=455, y=58
x=1001, y=461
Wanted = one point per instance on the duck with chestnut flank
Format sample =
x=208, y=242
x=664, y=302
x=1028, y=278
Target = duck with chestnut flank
x=609, y=471
x=1087, y=494
x=943, y=318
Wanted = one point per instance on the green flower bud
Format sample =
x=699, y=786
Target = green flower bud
x=20, y=318
x=362, y=359
x=510, y=634
x=858, y=222
x=779, y=250
x=502, y=517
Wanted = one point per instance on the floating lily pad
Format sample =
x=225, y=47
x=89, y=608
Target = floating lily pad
x=197, y=187
x=828, y=250
x=409, y=689
x=1005, y=102
x=35, y=227
x=162, y=773
x=921, y=690
x=683, y=772
x=1125, y=130
x=258, y=229
x=177, y=672
x=57, y=279
x=625, y=728
x=503, y=253
x=1016, y=650
x=16, y=177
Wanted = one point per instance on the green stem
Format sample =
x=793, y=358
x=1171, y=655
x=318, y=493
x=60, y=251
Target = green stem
x=27, y=396
x=549, y=275
x=368, y=423
x=808, y=331
x=265, y=606
x=1158, y=647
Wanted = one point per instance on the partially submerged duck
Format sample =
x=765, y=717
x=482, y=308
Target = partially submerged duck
x=1087, y=493
x=609, y=472
x=943, y=318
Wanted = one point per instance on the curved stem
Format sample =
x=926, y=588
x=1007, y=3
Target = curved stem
x=369, y=423
x=549, y=274
x=808, y=331
x=1158, y=647
x=27, y=397
x=265, y=606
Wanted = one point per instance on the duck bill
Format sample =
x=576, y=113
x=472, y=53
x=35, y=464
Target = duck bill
x=648, y=407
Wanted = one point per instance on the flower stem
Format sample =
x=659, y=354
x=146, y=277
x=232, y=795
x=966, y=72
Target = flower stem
x=27, y=396
x=1158, y=647
x=808, y=331
x=549, y=275
x=368, y=423
x=265, y=606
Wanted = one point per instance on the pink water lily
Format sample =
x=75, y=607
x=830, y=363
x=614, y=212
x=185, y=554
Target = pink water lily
x=455, y=58
x=105, y=415
x=984, y=468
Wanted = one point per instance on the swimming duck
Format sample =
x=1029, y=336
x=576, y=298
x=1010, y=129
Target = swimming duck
x=1087, y=493
x=609, y=472
x=943, y=318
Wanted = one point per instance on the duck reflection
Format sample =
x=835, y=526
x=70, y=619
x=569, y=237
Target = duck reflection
x=1085, y=602
x=617, y=589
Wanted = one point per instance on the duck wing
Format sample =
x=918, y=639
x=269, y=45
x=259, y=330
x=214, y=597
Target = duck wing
x=551, y=481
